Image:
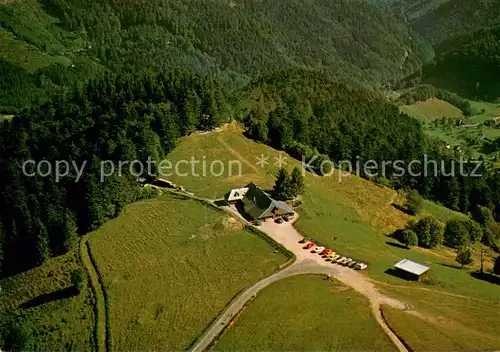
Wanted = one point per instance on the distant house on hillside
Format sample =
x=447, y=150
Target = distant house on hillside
x=410, y=270
x=259, y=205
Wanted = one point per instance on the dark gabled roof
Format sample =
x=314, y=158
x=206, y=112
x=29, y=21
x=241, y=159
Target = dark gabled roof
x=258, y=204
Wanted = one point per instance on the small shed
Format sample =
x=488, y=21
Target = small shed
x=411, y=270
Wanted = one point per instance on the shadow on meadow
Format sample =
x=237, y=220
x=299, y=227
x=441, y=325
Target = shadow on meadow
x=491, y=278
x=50, y=297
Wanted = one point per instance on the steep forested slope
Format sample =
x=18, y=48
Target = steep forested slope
x=471, y=67
x=408, y=10
x=465, y=35
x=305, y=114
x=228, y=39
x=456, y=18
x=115, y=118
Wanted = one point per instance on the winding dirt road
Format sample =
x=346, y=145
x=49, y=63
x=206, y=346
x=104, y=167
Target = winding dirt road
x=305, y=263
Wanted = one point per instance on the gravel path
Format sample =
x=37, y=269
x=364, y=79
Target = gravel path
x=100, y=319
x=305, y=263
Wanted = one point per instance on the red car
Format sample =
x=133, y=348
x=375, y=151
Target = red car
x=326, y=251
x=309, y=245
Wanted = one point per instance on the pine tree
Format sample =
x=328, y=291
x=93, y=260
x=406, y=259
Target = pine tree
x=282, y=184
x=409, y=238
x=414, y=202
x=43, y=251
x=296, y=182
x=69, y=228
x=464, y=256
x=191, y=112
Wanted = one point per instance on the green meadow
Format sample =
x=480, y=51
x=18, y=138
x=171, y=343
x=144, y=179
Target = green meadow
x=170, y=266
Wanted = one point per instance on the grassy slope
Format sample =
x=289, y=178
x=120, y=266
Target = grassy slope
x=439, y=212
x=457, y=135
x=351, y=216
x=67, y=323
x=301, y=319
x=445, y=322
x=32, y=38
x=169, y=267
x=432, y=109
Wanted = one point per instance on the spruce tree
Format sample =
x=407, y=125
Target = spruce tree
x=297, y=184
x=282, y=185
x=464, y=256
x=43, y=251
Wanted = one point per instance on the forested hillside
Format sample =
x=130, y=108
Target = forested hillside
x=115, y=118
x=305, y=114
x=472, y=67
x=231, y=40
x=408, y=10
x=456, y=18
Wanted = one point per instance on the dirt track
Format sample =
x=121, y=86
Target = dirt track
x=305, y=263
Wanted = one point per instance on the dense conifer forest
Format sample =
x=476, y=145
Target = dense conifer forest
x=115, y=118
x=123, y=80
x=233, y=41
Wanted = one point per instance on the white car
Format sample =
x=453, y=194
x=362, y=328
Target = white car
x=345, y=261
x=341, y=259
x=349, y=261
x=360, y=266
x=352, y=264
x=318, y=249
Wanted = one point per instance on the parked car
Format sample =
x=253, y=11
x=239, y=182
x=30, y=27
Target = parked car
x=286, y=218
x=335, y=257
x=318, y=249
x=309, y=245
x=304, y=240
x=326, y=251
x=331, y=255
x=257, y=223
x=278, y=220
x=347, y=262
x=352, y=264
x=360, y=266
x=341, y=259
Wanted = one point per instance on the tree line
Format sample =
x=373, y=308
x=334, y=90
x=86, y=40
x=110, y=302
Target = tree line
x=306, y=114
x=116, y=117
x=233, y=41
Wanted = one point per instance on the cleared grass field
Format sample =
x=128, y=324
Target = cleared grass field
x=306, y=313
x=170, y=266
x=443, y=322
x=53, y=317
x=432, y=109
x=441, y=213
x=468, y=137
x=352, y=216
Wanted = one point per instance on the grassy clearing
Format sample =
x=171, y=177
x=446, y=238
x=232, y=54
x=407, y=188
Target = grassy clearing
x=444, y=323
x=65, y=322
x=432, y=109
x=469, y=138
x=353, y=216
x=311, y=314
x=170, y=266
x=491, y=109
x=28, y=56
x=441, y=213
